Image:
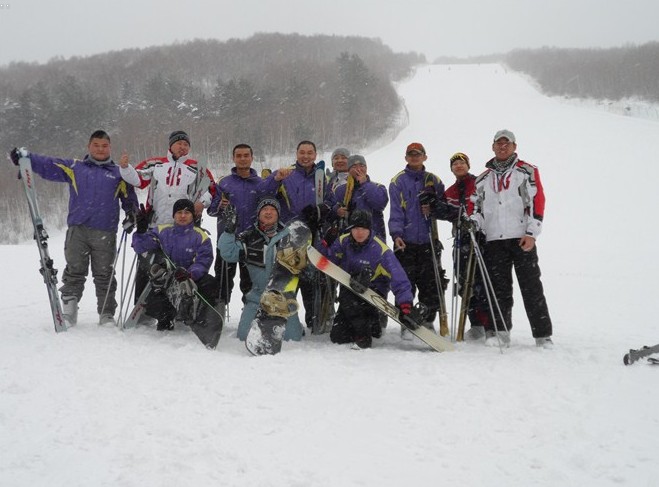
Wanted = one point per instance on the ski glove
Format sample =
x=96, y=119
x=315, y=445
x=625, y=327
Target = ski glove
x=411, y=317
x=468, y=224
x=313, y=215
x=359, y=281
x=428, y=198
x=229, y=218
x=129, y=223
x=181, y=274
x=16, y=154
x=142, y=220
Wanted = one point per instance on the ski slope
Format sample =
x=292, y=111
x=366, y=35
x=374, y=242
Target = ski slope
x=99, y=407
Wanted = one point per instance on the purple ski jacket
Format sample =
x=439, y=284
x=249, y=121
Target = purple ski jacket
x=369, y=196
x=388, y=274
x=186, y=245
x=243, y=193
x=294, y=193
x=405, y=217
x=95, y=190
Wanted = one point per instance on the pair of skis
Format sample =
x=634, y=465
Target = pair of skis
x=47, y=270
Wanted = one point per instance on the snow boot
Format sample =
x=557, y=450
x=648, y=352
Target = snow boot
x=106, y=319
x=544, y=342
x=493, y=339
x=70, y=310
x=475, y=333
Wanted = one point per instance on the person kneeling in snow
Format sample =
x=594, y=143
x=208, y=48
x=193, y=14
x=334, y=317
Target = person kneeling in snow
x=183, y=256
x=371, y=264
x=257, y=247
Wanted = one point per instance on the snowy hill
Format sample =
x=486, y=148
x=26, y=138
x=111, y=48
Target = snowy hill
x=98, y=407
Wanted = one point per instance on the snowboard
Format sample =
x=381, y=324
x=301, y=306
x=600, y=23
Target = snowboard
x=278, y=300
x=427, y=336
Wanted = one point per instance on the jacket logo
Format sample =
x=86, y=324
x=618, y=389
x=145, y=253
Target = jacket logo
x=503, y=182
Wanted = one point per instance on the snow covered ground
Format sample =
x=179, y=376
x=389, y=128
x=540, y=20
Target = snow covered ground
x=98, y=407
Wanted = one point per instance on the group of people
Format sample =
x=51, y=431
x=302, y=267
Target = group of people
x=503, y=207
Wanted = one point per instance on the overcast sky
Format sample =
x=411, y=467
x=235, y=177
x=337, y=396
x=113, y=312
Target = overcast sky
x=38, y=30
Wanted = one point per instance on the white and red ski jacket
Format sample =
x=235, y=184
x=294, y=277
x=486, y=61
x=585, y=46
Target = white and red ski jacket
x=168, y=181
x=509, y=204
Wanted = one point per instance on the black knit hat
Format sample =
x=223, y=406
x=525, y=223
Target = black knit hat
x=183, y=204
x=360, y=218
x=178, y=135
x=268, y=201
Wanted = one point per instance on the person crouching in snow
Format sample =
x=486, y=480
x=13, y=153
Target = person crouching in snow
x=183, y=256
x=371, y=264
x=257, y=247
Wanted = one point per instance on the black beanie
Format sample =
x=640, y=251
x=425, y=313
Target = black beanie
x=360, y=218
x=178, y=135
x=183, y=204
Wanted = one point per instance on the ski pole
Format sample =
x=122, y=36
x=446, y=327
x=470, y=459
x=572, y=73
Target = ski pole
x=122, y=240
x=443, y=318
x=489, y=289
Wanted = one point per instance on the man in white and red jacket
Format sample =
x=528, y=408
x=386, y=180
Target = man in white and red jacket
x=509, y=205
x=168, y=179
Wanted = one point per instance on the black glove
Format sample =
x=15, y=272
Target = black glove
x=229, y=218
x=311, y=217
x=16, y=154
x=428, y=198
x=181, y=274
x=129, y=222
x=142, y=219
x=360, y=281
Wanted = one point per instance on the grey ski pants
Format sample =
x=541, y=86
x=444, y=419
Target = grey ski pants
x=82, y=246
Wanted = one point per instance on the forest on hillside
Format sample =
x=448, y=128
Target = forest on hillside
x=270, y=91
x=603, y=74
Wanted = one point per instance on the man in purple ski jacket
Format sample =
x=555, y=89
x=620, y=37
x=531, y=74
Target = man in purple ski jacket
x=371, y=264
x=366, y=195
x=241, y=190
x=411, y=226
x=96, y=191
x=188, y=247
x=295, y=189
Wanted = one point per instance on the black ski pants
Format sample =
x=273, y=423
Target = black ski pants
x=417, y=261
x=479, y=309
x=500, y=258
x=355, y=320
x=159, y=307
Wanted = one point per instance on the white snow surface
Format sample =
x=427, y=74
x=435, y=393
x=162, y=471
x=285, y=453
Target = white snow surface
x=99, y=407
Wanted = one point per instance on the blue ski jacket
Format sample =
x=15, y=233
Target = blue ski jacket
x=186, y=245
x=243, y=193
x=405, y=217
x=388, y=274
x=258, y=251
x=95, y=190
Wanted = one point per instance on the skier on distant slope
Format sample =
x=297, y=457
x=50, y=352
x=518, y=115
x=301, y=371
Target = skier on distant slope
x=256, y=247
x=189, y=248
x=509, y=206
x=373, y=265
x=95, y=191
